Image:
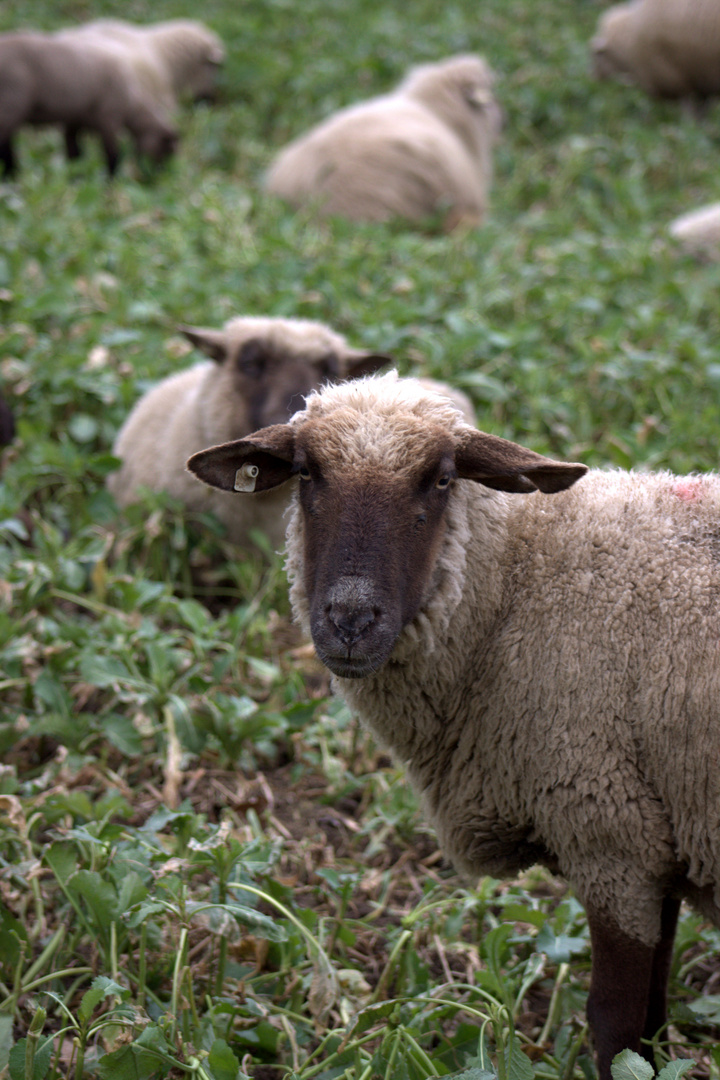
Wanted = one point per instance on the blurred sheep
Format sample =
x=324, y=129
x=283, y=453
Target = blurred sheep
x=259, y=372
x=79, y=86
x=424, y=148
x=670, y=48
x=171, y=60
x=698, y=231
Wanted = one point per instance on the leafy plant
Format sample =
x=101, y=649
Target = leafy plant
x=206, y=867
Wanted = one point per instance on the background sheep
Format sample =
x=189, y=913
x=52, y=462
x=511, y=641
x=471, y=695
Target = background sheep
x=699, y=230
x=671, y=48
x=546, y=668
x=424, y=148
x=79, y=86
x=261, y=369
x=173, y=59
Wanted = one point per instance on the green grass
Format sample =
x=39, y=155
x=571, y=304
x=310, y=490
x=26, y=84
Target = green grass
x=206, y=868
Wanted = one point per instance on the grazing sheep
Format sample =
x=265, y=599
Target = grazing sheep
x=260, y=371
x=424, y=148
x=173, y=59
x=699, y=231
x=78, y=86
x=546, y=668
x=670, y=48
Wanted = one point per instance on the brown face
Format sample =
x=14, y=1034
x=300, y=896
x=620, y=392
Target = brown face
x=370, y=546
x=274, y=384
x=270, y=379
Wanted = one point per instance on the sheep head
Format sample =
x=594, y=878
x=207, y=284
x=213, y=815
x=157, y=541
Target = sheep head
x=270, y=365
x=613, y=46
x=373, y=492
x=460, y=91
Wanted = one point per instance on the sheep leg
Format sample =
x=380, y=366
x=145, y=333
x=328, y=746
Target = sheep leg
x=622, y=971
x=662, y=959
x=8, y=161
x=72, y=144
x=111, y=148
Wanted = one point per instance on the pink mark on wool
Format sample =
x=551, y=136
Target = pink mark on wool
x=688, y=490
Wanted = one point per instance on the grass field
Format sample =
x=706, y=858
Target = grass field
x=206, y=867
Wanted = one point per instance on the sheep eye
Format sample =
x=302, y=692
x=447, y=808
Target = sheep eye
x=443, y=483
x=304, y=472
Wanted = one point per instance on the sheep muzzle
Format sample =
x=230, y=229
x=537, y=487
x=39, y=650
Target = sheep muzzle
x=352, y=634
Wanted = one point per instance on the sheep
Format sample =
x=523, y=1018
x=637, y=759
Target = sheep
x=172, y=59
x=670, y=48
x=79, y=86
x=698, y=231
x=259, y=369
x=546, y=668
x=422, y=149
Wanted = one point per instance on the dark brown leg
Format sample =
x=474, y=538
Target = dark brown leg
x=622, y=969
x=662, y=959
x=8, y=161
x=111, y=148
x=72, y=143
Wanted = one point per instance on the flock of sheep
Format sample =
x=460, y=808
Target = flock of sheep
x=536, y=643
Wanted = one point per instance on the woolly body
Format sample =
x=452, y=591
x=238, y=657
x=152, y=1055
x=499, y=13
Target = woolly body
x=670, y=48
x=172, y=59
x=204, y=405
x=423, y=148
x=569, y=714
x=46, y=79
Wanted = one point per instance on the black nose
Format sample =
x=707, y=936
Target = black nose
x=350, y=622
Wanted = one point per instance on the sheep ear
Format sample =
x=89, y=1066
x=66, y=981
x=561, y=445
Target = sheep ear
x=211, y=342
x=361, y=363
x=259, y=462
x=505, y=466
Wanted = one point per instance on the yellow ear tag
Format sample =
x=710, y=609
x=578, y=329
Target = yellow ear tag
x=245, y=477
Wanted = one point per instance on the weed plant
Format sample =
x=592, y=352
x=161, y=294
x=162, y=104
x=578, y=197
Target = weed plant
x=206, y=869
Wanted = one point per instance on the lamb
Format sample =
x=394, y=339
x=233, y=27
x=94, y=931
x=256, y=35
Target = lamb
x=79, y=86
x=670, y=48
x=172, y=59
x=698, y=231
x=425, y=148
x=259, y=369
x=546, y=668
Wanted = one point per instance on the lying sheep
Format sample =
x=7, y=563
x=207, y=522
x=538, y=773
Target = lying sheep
x=545, y=667
x=698, y=231
x=670, y=48
x=173, y=59
x=261, y=368
x=78, y=86
x=423, y=149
